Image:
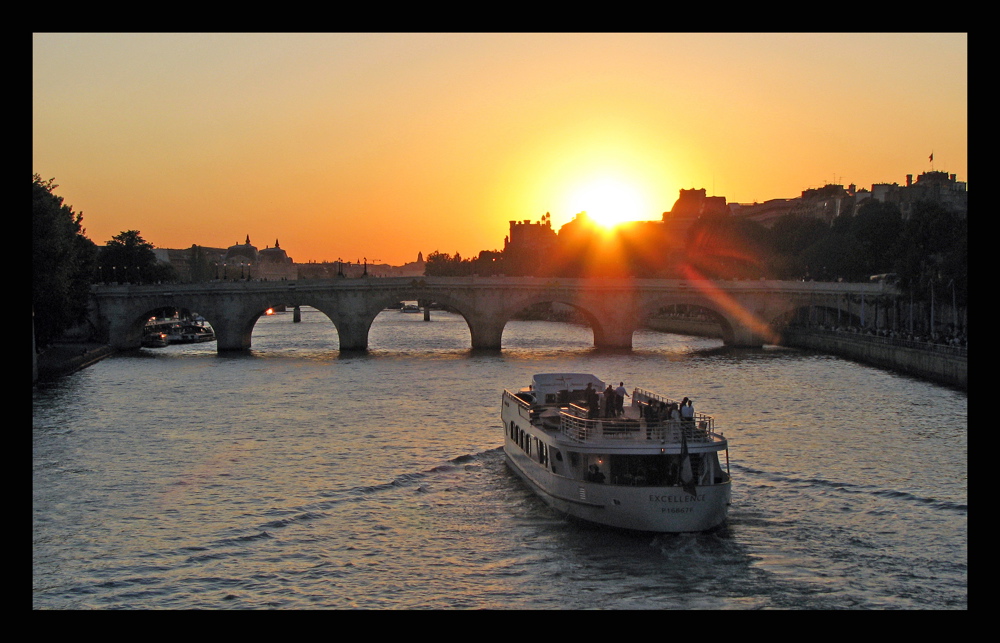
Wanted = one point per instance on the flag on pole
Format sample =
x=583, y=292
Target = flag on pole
x=931, y=158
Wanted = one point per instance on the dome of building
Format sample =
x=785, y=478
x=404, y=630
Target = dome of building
x=246, y=251
x=274, y=255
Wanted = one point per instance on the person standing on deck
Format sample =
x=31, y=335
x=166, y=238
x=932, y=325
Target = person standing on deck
x=620, y=401
x=593, y=401
x=687, y=413
x=609, y=402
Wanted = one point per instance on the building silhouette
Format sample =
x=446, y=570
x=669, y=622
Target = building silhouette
x=833, y=200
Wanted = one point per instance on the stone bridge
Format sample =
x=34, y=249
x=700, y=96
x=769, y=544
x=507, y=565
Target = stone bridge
x=750, y=313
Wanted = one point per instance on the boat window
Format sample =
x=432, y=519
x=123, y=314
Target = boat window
x=655, y=470
x=543, y=452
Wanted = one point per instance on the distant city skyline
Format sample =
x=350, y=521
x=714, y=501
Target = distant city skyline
x=353, y=145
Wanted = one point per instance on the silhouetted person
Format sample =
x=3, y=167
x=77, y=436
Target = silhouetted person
x=620, y=394
x=593, y=401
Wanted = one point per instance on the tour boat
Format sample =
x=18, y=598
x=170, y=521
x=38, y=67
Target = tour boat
x=194, y=333
x=637, y=469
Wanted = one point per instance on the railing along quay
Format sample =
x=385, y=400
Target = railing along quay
x=958, y=351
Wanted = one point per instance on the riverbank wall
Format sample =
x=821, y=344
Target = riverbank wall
x=942, y=364
x=65, y=358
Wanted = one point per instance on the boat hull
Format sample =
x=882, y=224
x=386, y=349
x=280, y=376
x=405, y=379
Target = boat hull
x=659, y=509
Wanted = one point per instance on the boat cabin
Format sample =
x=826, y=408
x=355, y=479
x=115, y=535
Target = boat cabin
x=559, y=389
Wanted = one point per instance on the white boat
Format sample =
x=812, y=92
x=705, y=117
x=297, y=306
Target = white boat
x=157, y=333
x=410, y=308
x=194, y=333
x=635, y=470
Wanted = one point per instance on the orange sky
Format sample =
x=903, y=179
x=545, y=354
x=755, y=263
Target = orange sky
x=378, y=146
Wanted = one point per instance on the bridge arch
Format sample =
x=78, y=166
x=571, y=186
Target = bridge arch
x=125, y=329
x=516, y=305
x=748, y=312
x=354, y=322
x=711, y=308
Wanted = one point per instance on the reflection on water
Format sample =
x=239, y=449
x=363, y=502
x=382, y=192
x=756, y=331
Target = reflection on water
x=293, y=476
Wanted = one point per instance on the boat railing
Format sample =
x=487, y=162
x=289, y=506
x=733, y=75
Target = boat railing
x=580, y=428
x=647, y=402
x=576, y=424
x=523, y=406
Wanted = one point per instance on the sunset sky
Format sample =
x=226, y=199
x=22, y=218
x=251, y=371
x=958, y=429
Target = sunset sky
x=378, y=146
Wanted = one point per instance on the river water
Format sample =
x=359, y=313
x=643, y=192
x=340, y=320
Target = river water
x=297, y=477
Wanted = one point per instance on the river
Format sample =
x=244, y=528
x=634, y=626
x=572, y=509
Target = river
x=295, y=477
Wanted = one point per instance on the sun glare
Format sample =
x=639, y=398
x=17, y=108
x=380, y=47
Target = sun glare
x=609, y=201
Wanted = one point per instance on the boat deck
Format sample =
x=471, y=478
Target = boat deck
x=639, y=426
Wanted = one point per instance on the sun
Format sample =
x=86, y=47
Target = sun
x=609, y=201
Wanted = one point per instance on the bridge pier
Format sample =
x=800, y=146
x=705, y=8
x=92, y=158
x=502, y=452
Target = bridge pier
x=618, y=338
x=486, y=334
x=353, y=332
x=613, y=320
x=743, y=337
x=230, y=335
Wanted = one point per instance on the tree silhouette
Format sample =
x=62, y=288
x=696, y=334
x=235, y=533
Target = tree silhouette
x=128, y=258
x=62, y=261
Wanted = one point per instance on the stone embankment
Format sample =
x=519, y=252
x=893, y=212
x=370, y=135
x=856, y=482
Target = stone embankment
x=942, y=364
x=939, y=363
x=65, y=358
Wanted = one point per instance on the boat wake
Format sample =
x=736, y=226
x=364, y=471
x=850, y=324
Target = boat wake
x=855, y=488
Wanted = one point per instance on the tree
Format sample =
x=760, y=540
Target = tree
x=128, y=258
x=872, y=232
x=62, y=262
x=723, y=247
x=200, y=268
x=932, y=252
